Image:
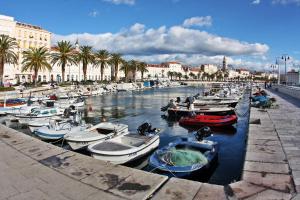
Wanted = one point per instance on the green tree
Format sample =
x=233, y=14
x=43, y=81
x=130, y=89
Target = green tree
x=85, y=56
x=142, y=67
x=115, y=60
x=133, y=68
x=63, y=55
x=126, y=69
x=179, y=75
x=36, y=59
x=170, y=74
x=7, y=54
x=102, y=58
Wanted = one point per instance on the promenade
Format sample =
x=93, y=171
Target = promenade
x=32, y=169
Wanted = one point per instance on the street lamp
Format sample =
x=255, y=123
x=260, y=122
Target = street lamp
x=273, y=67
x=285, y=57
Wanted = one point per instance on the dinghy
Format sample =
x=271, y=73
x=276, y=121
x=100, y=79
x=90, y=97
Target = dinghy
x=100, y=132
x=183, y=111
x=128, y=147
x=185, y=156
x=209, y=120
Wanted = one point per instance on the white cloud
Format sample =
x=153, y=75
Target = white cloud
x=117, y=2
x=256, y=2
x=187, y=45
x=284, y=2
x=94, y=13
x=198, y=21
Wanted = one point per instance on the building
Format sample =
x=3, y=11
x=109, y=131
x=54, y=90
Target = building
x=209, y=68
x=224, y=65
x=243, y=73
x=293, y=77
x=26, y=36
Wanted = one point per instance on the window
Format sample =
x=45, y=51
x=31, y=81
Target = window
x=68, y=77
x=44, y=78
x=39, y=78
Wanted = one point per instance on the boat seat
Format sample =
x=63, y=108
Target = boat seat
x=110, y=146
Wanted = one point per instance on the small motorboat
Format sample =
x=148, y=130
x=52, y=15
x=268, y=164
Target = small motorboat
x=183, y=111
x=45, y=112
x=209, y=120
x=128, y=147
x=13, y=103
x=100, y=132
x=229, y=103
x=185, y=156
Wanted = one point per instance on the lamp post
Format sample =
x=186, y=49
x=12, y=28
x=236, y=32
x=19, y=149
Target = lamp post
x=273, y=67
x=285, y=57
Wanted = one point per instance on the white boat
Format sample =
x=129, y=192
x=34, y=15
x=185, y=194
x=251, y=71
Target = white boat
x=56, y=130
x=124, y=148
x=99, y=132
x=34, y=124
x=42, y=113
x=76, y=102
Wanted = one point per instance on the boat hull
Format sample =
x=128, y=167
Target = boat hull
x=123, y=158
x=211, y=121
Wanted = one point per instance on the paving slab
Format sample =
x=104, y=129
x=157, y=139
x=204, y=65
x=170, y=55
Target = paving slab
x=270, y=195
x=210, y=192
x=178, y=189
x=277, y=168
x=279, y=182
x=265, y=157
x=243, y=189
x=126, y=182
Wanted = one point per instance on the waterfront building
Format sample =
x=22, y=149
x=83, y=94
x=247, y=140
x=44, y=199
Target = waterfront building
x=224, y=66
x=293, y=77
x=209, y=68
x=243, y=73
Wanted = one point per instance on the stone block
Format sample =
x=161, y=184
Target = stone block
x=178, y=189
x=210, y=192
x=243, y=189
x=270, y=195
x=278, y=168
x=279, y=182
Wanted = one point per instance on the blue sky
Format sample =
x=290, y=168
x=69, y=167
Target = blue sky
x=250, y=32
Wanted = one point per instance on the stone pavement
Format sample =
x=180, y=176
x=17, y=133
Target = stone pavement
x=32, y=169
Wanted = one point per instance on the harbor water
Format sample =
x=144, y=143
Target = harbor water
x=136, y=107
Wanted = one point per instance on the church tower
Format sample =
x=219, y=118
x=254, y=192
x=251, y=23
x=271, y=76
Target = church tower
x=77, y=45
x=224, y=68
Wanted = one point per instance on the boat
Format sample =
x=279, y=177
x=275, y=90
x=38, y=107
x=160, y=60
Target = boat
x=100, y=132
x=220, y=102
x=13, y=103
x=185, y=156
x=128, y=147
x=209, y=120
x=76, y=102
x=183, y=111
x=42, y=113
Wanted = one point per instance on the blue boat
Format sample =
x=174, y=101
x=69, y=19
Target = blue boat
x=185, y=156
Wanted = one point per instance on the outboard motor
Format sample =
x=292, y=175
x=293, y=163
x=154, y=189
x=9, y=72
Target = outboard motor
x=145, y=128
x=203, y=133
x=178, y=100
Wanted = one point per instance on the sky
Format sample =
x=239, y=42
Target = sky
x=250, y=33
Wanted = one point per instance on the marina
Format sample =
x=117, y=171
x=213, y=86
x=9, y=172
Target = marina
x=265, y=171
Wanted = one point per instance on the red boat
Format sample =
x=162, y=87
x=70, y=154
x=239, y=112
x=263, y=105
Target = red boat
x=209, y=120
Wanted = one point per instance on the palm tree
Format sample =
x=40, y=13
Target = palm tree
x=102, y=59
x=86, y=56
x=64, y=55
x=134, y=68
x=116, y=60
x=170, y=74
x=192, y=75
x=7, y=55
x=126, y=69
x=142, y=67
x=179, y=75
x=36, y=59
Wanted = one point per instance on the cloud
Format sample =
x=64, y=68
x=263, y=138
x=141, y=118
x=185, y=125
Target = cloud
x=93, y=13
x=162, y=44
x=256, y=2
x=198, y=21
x=117, y=2
x=284, y=2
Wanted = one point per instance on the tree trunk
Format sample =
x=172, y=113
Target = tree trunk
x=63, y=69
x=142, y=74
x=1, y=71
x=84, y=68
x=35, y=77
x=116, y=72
x=101, y=71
